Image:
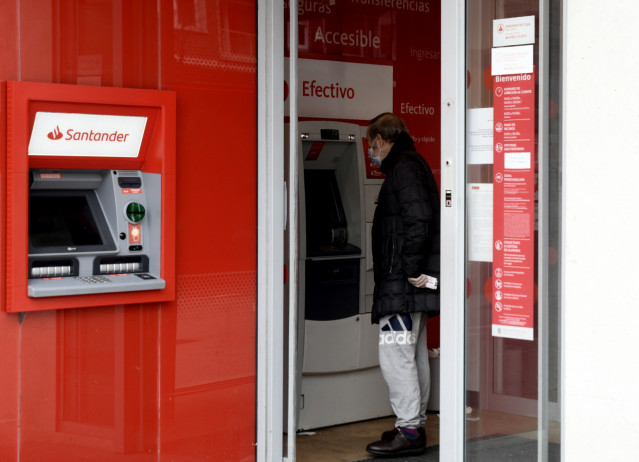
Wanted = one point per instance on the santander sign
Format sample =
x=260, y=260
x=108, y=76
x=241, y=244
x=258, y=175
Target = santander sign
x=86, y=135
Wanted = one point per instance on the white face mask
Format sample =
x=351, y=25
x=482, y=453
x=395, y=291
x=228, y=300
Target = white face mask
x=375, y=159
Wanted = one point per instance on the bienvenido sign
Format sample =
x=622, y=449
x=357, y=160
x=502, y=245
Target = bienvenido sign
x=513, y=281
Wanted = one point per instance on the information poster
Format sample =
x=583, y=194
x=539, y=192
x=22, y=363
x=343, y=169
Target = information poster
x=514, y=206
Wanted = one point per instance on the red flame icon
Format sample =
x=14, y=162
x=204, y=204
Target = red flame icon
x=55, y=134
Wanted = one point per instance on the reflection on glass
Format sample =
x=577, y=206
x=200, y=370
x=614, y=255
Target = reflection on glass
x=175, y=379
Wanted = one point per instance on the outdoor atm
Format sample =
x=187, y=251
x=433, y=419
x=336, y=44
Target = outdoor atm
x=89, y=213
x=93, y=231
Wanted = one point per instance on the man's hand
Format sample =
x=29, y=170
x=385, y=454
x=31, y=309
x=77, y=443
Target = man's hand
x=424, y=282
x=419, y=282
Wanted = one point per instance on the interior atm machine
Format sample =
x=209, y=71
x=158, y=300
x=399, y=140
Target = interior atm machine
x=340, y=377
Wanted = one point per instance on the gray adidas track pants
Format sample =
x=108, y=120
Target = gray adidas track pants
x=403, y=359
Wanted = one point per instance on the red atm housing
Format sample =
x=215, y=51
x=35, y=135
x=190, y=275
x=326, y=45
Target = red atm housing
x=156, y=155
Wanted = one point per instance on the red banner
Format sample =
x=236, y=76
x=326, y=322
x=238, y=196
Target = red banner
x=513, y=282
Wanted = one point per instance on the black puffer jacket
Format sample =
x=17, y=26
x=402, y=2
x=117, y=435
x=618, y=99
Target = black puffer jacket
x=405, y=235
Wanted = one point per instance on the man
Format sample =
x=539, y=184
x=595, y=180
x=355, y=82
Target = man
x=405, y=244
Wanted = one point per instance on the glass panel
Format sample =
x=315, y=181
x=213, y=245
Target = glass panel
x=504, y=158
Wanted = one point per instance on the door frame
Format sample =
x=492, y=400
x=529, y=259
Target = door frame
x=271, y=224
x=270, y=230
x=453, y=128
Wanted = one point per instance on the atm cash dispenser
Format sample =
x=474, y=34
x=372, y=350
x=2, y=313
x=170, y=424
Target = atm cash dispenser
x=340, y=380
x=89, y=216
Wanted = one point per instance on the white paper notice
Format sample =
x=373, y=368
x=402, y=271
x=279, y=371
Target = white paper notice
x=512, y=60
x=517, y=160
x=479, y=136
x=480, y=221
x=513, y=31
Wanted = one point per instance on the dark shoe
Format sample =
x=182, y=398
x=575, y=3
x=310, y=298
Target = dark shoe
x=400, y=445
x=390, y=434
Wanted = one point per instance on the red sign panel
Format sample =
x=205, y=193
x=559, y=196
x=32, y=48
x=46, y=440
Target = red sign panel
x=513, y=282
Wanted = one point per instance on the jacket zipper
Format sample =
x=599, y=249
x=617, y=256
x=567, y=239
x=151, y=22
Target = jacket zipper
x=390, y=270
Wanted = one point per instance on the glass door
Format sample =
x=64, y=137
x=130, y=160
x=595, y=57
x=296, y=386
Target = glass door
x=511, y=222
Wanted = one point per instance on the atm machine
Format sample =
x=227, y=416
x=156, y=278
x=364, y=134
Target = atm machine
x=93, y=231
x=88, y=214
x=340, y=380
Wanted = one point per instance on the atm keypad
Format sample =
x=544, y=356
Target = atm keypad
x=93, y=279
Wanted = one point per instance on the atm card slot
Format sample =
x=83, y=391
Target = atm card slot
x=129, y=182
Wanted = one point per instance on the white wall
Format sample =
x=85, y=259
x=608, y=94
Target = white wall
x=601, y=254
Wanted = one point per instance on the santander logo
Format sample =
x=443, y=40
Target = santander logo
x=90, y=135
x=55, y=134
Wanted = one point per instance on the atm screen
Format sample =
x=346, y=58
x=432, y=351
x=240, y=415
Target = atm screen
x=324, y=207
x=67, y=221
x=325, y=218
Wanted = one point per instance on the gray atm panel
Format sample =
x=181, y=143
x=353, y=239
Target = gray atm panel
x=94, y=231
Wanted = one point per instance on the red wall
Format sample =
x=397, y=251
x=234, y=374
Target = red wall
x=175, y=379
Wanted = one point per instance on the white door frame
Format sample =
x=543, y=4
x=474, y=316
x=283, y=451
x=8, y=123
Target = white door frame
x=270, y=230
x=453, y=111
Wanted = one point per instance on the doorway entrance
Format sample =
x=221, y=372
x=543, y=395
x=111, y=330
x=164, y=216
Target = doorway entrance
x=500, y=322
x=353, y=61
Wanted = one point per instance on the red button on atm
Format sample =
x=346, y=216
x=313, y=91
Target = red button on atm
x=135, y=234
